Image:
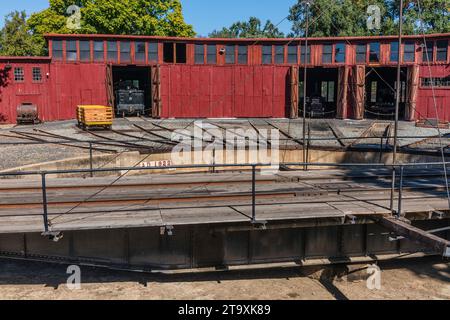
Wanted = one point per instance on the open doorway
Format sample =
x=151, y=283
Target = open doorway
x=381, y=86
x=132, y=90
x=321, y=92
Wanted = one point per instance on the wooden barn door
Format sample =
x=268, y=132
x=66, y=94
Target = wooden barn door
x=156, y=91
x=294, y=83
x=342, y=97
x=412, y=92
x=359, y=89
x=109, y=85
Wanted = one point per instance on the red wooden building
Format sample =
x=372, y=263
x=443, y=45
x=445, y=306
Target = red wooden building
x=352, y=77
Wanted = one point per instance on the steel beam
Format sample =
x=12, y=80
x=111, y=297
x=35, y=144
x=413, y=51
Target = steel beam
x=402, y=228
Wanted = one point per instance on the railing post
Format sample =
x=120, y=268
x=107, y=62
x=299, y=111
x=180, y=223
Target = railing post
x=91, y=159
x=400, y=193
x=394, y=176
x=253, y=193
x=44, y=201
x=381, y=150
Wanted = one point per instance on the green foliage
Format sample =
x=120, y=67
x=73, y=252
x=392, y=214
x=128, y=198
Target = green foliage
x=249, y=29
x=15, y=40
x=349, y=17
x=133, y=17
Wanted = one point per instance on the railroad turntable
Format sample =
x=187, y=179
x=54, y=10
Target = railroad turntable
x=227, y=218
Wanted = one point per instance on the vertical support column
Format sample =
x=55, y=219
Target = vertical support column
x=253, y=193
x=91, y=160
x=44, y=201
x=400, y=193
x=294, y=77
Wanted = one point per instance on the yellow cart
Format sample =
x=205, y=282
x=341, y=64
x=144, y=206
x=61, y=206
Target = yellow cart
x=95, y=116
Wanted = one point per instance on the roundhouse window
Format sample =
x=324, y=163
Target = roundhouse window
x=199, y=54
x=242, y=54
x=211, y=54
x=112, y=51
x=153, y=52
x=230, y=54
x=427, y=52
x=361, y=53
x=57, y=48
x=267, y=54
x=279, y=54
x=394, y=52
x=409, y=52
x=125, y=51
x=302, y=54
x=19, y=74
x=98, y=51
x=37, y=74
x=441, y=50
x=339, y=56
x=85, y=50
x=293, y=54
x=71, y=50
x=139, y=51
x=327, y=54
x=374, y=54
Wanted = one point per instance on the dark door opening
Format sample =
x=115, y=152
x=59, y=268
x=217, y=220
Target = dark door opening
x=132, y=90
x=381, y=86
x=321, y=92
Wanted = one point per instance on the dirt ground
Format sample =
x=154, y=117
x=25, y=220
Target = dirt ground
x=428, y=278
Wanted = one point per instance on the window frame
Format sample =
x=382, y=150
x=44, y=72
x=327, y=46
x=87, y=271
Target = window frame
x=406, y=45
x=140, y=57
x=425, y=49
x=22, y=75
x=360, y=53
x=437, y=51
x=372, y=52
x=290, y=54
x=265, y=54
x=60, y=57
x=230, y=54
x=108, y=51
x=391, y=52
x=95, y=51
x=212, y=53
x=151, y=53
x=327, y=54
x=33, y=69
x=123, y=52
x=75, y=42
x=199, y=51
x=344, y=53
x=240, y=54
x=305, y=59
x=277, y=55
x=80, y=42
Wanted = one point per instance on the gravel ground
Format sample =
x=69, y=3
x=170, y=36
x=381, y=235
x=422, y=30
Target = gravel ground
x=17, y=155
x=426, y=279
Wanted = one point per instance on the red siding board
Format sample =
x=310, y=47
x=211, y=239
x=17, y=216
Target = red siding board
x=223, y=91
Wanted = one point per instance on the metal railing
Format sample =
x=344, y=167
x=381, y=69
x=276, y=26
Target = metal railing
x=254, y=167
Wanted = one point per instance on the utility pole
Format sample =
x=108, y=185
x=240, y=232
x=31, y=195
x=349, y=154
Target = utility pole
x=305, y=62
x=397, y=103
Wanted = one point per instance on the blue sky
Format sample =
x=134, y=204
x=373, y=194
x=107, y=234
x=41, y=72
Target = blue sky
x=205, y=15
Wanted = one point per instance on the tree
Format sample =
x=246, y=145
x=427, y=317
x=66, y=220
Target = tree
x=15, y=40
x=249, y=29
x=132, y=17
x=349, y=17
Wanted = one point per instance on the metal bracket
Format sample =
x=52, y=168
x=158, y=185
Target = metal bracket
x=260, y=225
x=54, y=236
x=351, y=218
x=438, y=214
x=166, y=230
x=447, y=252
